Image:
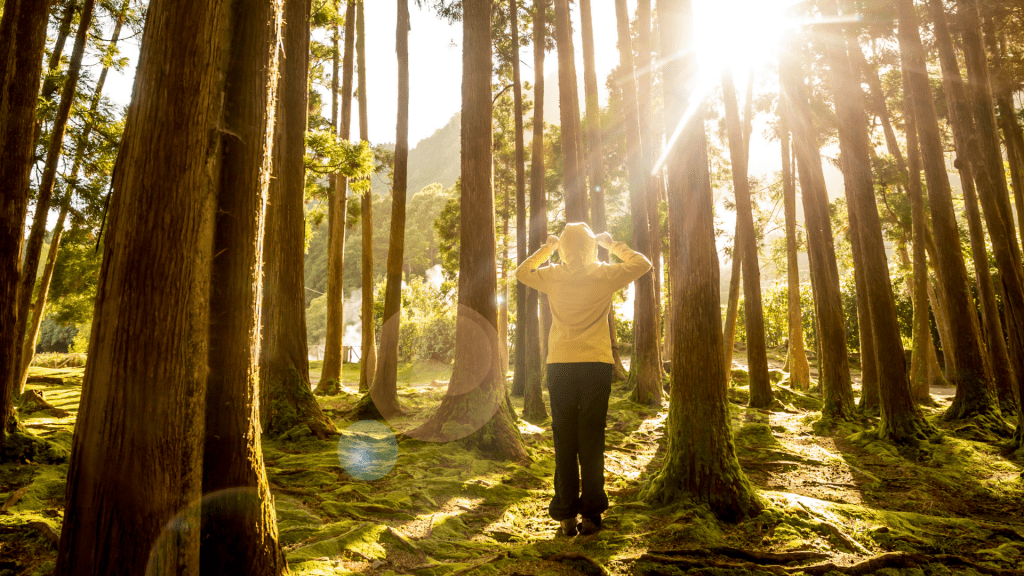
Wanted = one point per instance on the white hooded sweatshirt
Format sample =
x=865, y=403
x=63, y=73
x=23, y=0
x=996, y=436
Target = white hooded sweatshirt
x=580, y=290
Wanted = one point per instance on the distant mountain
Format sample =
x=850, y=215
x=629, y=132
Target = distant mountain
x=435, y=159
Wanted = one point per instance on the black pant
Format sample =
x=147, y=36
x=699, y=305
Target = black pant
x=579, y=408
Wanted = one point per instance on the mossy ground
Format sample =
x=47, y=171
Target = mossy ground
x=446, y=510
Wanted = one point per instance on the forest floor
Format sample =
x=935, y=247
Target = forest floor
x=834, y=498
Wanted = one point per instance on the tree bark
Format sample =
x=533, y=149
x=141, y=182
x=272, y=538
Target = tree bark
x=652, y=192
x=330, y=375
x=799, y=369
x=963, y=130
x=732, y=305
x=137, y=456
x=476, y=407
x=22, y=42
x=239, y=526
x=286, y=400
x=901, y=421
x=384, y=390
x=993, y=194
x=645, y=367
x=368, y=358
x=34, y=245
x=833, y=361
x=522, y=242
x=761, y=395
x=974, y=390
x=533, y=399
x=701, y=460
x=573, y=176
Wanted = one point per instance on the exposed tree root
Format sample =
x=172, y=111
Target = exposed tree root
x=34, y=401
x=749, y=555
x=38, y=379
x=580, y=562
x=896, y=560
x=902, y=560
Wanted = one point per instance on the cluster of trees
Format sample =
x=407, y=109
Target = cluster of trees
x=201, y=287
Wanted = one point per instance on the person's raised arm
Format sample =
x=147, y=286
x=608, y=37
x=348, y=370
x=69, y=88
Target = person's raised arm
x=529, y=272
x=633, y=266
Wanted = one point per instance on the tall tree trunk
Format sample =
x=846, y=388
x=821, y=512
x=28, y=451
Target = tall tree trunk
x=645, y=366
x=732, y=305
x=239, y=526
x=384, y=389
x=573, y=176
x=522, y=242
x=595, y=163
x=833, y=361
x=992, y=192
x=701, y=461
x=34, y=246
x=901, y=421
x=330, y=375
x=28, y=346
x=22, y=42
x=761, y=395
x=963, y=130
x=136, y=464
x=799, y=369
x=50, y=79
x=286, y=399
x=533, y=400
x=476, y=407
x=974, y=390
x=652, y=192
x=368, y=357
x=32, y=332
x=503, y=293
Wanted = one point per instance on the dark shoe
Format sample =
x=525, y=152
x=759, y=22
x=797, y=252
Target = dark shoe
x=590, y=526
x=568, y=527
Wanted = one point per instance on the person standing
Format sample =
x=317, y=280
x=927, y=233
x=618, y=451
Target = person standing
x=579, y=362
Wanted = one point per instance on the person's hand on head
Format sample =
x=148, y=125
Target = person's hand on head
x=552, y=242
x=604, y=240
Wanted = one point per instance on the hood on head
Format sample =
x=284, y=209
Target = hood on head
x=577, y=246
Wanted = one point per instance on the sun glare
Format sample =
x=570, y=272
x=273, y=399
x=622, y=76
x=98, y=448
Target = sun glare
x=737, y=34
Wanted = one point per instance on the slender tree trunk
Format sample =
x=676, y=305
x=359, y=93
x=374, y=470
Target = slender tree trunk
x=286, y=400
x=522, y=242
x=761, y=395
x=963, y=130
x=645, y=366
x=901, y=421
x=239, y=526
x=136, y=465
x=799, y=369
x=644, y=95
x=330, y=375
x=533, y=400
x=503, y=293
x=732, y=305
x=833, y=361
x=29, y=343
x=384, y=389
x=701, y=460
x=22, y=42
x=974, y=390
x=34, y=246
x=993, y=194
x=476, y=407
x=28, y=347
x=573, y=176
x=368, y=358
x=50, y=79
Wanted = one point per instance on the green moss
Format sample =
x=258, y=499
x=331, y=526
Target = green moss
x=362, y=540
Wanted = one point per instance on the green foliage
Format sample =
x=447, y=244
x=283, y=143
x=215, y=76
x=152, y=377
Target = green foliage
x=427, y=330
x=55, y=337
